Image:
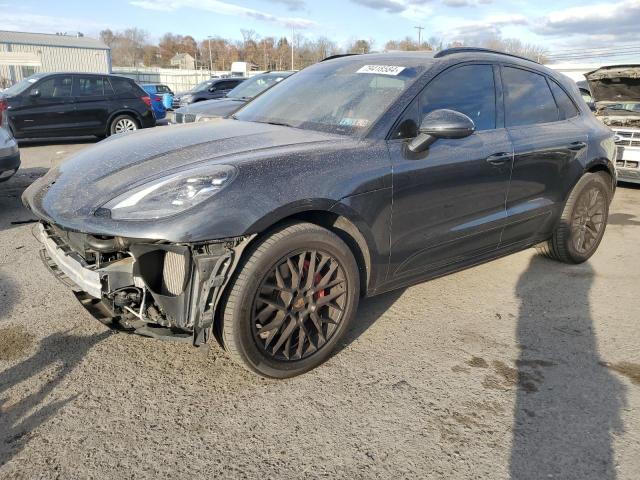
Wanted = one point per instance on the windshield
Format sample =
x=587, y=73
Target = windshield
x=340, y=97
x=256, y=85
x=629, y=107
x=21, y=86
x=202, y=86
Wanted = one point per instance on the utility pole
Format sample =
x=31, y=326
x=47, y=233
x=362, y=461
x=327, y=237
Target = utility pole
x=293, y=36
x=210, y=58
x=419, y=36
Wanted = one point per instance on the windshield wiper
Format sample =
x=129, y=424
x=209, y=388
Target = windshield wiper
x=280, y=124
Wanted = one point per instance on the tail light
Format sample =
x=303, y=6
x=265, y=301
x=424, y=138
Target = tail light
x=147, y=100
x=156, y=98
x=3, y=108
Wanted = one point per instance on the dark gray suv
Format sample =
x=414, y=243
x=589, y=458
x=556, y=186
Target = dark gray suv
x=351, y=178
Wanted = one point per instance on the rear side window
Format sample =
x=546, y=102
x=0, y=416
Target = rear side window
x=124, y=86
x=56, y=87
x=527, y=99
x=567, y=108
x=88, y=86
x=469, y=89
x=227, y=85
x=162, y=89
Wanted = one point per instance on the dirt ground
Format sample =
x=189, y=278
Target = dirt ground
x=521, y=368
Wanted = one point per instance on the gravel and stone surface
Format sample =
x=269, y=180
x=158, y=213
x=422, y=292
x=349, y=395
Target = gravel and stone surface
x=520, y=368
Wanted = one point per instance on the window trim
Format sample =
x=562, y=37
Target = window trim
x=578, y=112
x=44, y=79
x=504, y=65
x=497, y=94
x=76, y=81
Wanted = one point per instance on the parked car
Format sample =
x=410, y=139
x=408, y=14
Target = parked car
x=585, y=91
x=157, y=104
x=9, y=153
x=160, y=89
x=236, y=98
x=207, y=90
x=616, y=93
x=356, y=176
x=69, y=104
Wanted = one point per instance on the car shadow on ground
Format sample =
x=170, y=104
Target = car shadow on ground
x=9, y=297
x=623, y=219
x=568, y=404
x=56, y=356
x=629, y=186
x=12, y=212
x=369, y=311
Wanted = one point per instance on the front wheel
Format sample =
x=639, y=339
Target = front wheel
x=583, y=221
x=291, y=301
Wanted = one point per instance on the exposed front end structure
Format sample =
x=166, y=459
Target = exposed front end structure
x=153, y=289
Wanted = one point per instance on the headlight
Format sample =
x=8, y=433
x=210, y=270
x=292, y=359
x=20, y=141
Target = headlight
x=186, y=98
x=205, y=118
x=169, y=195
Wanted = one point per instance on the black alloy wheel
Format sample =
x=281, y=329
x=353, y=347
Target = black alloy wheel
x=291, y=299
x=588, y=219
x=299, y=305
x=583, y=221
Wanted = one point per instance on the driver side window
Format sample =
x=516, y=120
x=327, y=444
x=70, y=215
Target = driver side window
x=469, y=89
x=55, y=87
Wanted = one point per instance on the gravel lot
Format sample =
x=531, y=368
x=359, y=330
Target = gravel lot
x=521, y=368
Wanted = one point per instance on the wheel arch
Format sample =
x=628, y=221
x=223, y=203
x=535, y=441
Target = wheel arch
x=320, y=214
x=603, y=165
x=339, y=224
x=117, y=113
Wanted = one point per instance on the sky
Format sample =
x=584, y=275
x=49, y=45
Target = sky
x=559, y=25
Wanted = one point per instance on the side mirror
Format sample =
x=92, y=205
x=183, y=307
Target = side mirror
x=212, y=89
x=592, y=106
x=441, y=124
x=35, y=93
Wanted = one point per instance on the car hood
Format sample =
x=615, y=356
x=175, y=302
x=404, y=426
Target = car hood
x=213, y=108
x=99, y=173
x=620, y=83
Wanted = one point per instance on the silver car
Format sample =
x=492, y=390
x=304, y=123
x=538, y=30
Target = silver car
x=9, y=154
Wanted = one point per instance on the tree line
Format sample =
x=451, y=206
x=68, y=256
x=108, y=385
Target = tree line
x=132, y=48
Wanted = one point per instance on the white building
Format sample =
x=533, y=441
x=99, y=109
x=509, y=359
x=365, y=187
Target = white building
x=23, y=54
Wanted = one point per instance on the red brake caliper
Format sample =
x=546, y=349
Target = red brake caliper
x=316, y=281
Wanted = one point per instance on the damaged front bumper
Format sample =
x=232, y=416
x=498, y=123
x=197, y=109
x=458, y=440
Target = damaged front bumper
x=155, y=289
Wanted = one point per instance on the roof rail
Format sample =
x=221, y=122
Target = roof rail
x=331, y=57
x=451, y=51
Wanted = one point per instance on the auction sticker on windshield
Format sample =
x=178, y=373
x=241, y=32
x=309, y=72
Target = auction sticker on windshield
x=381, y=69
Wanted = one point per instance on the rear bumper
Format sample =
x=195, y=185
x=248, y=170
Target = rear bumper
x=9, y=166
x=148, y=120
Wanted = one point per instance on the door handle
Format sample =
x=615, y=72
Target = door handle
x=577, y=146
x=499, y=158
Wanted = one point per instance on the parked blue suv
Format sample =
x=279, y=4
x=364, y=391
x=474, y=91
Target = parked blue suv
x=158, y=104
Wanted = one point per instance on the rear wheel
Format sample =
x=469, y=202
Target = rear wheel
x=583, y=221
x=291, y=301
x=122, y=124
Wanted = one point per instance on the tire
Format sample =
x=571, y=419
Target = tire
x=123, y=123
x=245, y=318
x=593, y=192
